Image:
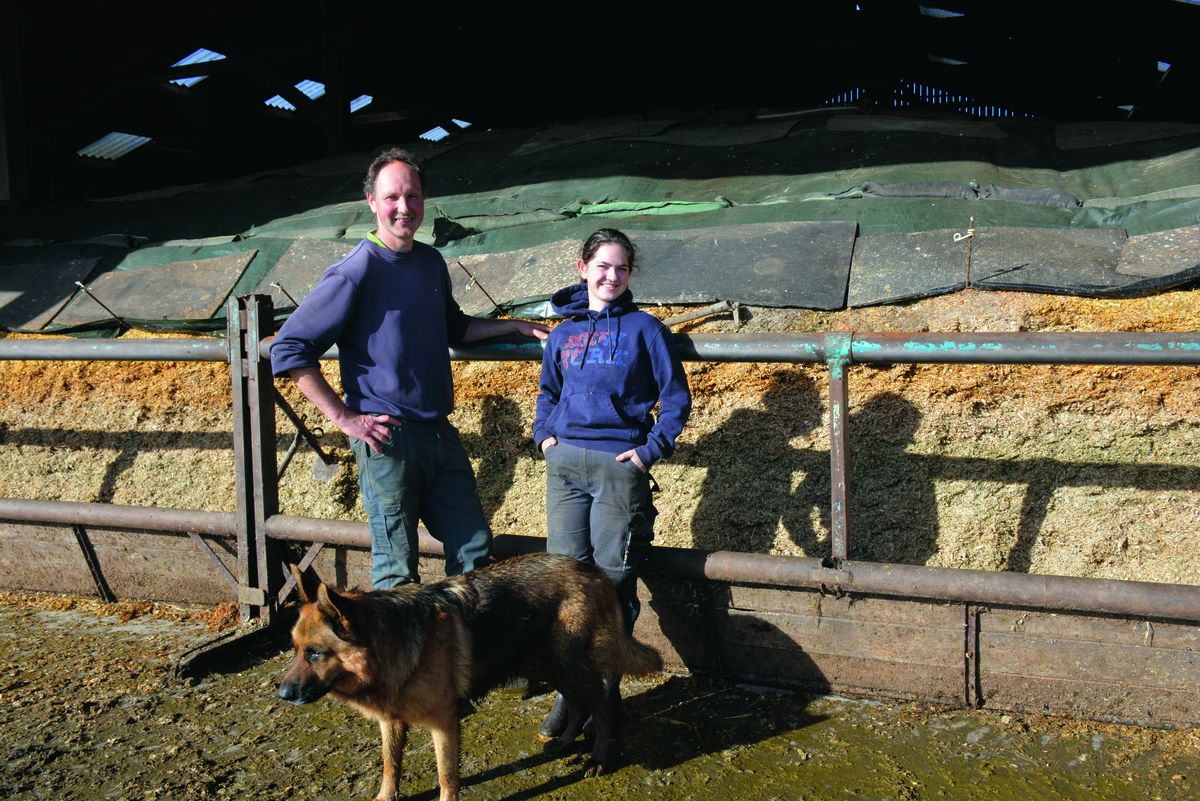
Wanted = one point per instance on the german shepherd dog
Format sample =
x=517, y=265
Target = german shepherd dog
x=412, y=655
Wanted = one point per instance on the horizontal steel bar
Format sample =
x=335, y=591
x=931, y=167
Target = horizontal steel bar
x=213, y=349
x=108, y=515
x=1054, y=593
x=1178, y=348
x=786, y=348
x=331, y=532
x=1028, y=348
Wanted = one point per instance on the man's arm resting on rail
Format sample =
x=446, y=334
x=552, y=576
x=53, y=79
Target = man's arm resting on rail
x=486, y=328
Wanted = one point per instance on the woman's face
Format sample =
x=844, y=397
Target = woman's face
x=606, y=275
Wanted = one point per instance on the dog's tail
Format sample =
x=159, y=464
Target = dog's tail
x=613, y=645
x=636, y=658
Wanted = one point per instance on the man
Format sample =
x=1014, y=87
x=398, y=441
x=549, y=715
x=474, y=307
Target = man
x=389, y=308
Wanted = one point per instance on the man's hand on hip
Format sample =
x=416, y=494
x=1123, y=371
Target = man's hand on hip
x=372, y=429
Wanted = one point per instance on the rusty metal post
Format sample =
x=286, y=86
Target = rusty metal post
x=250, y=321
x=972, y=692
x=259, y=326
x=242, y=472
x=837, y=357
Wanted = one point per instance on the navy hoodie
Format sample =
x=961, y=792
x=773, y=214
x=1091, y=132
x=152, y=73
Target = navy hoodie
x=602, y=373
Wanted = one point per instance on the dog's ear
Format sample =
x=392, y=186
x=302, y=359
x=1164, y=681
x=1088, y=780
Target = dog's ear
x=337, y=609
x=307, y=583
x=328, y=601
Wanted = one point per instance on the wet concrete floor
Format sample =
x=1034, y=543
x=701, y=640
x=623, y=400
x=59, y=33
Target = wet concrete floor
x=687, y=738
x=88, y=709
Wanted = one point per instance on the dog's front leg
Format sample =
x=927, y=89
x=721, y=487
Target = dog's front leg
x=445, y=744
x=395, y=735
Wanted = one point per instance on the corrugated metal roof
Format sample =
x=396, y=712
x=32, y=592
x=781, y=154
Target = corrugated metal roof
x=939, y=13
x=201, y=56
x=310, y=89
x=114, y=145
x=278, y=102
x=439, y=133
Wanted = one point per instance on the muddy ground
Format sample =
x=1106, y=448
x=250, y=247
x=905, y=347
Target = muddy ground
x=89, y=709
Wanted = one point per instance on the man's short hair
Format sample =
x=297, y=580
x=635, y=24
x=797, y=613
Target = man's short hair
x=390, y=157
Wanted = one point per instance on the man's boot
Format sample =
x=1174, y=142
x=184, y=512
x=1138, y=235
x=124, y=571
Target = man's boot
x=555, y=723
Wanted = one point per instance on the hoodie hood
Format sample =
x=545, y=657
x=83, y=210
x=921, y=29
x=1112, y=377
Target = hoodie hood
x=572, y=301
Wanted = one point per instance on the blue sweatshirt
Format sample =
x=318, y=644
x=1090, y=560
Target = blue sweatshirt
x=393, y=317
x=602, y=373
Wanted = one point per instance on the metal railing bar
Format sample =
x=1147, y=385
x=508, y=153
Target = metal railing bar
x=116, y=350
x=1058, y=593
x=110, y=515
x=1174, y=348
x=1171, y=348
x=1106, y=348
x=220, y=567
x=1055, y=593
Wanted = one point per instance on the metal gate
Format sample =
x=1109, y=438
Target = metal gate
x=1103, y=649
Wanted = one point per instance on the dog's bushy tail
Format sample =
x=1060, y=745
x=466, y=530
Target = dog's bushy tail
x=636, y=658
x=617, y=652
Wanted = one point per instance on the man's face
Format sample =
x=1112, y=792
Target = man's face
x=398, y=205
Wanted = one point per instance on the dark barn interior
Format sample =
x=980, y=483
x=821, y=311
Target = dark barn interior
x=69, y=78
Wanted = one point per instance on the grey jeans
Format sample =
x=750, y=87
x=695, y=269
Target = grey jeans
x=600, y=510
x=422, y=475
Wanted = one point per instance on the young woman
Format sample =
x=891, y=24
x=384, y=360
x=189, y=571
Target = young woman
x=603, y=371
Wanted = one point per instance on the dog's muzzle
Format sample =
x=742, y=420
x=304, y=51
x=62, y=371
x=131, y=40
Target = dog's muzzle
x=300, y=694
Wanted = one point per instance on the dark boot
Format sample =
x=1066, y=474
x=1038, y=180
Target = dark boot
x=555, y=723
